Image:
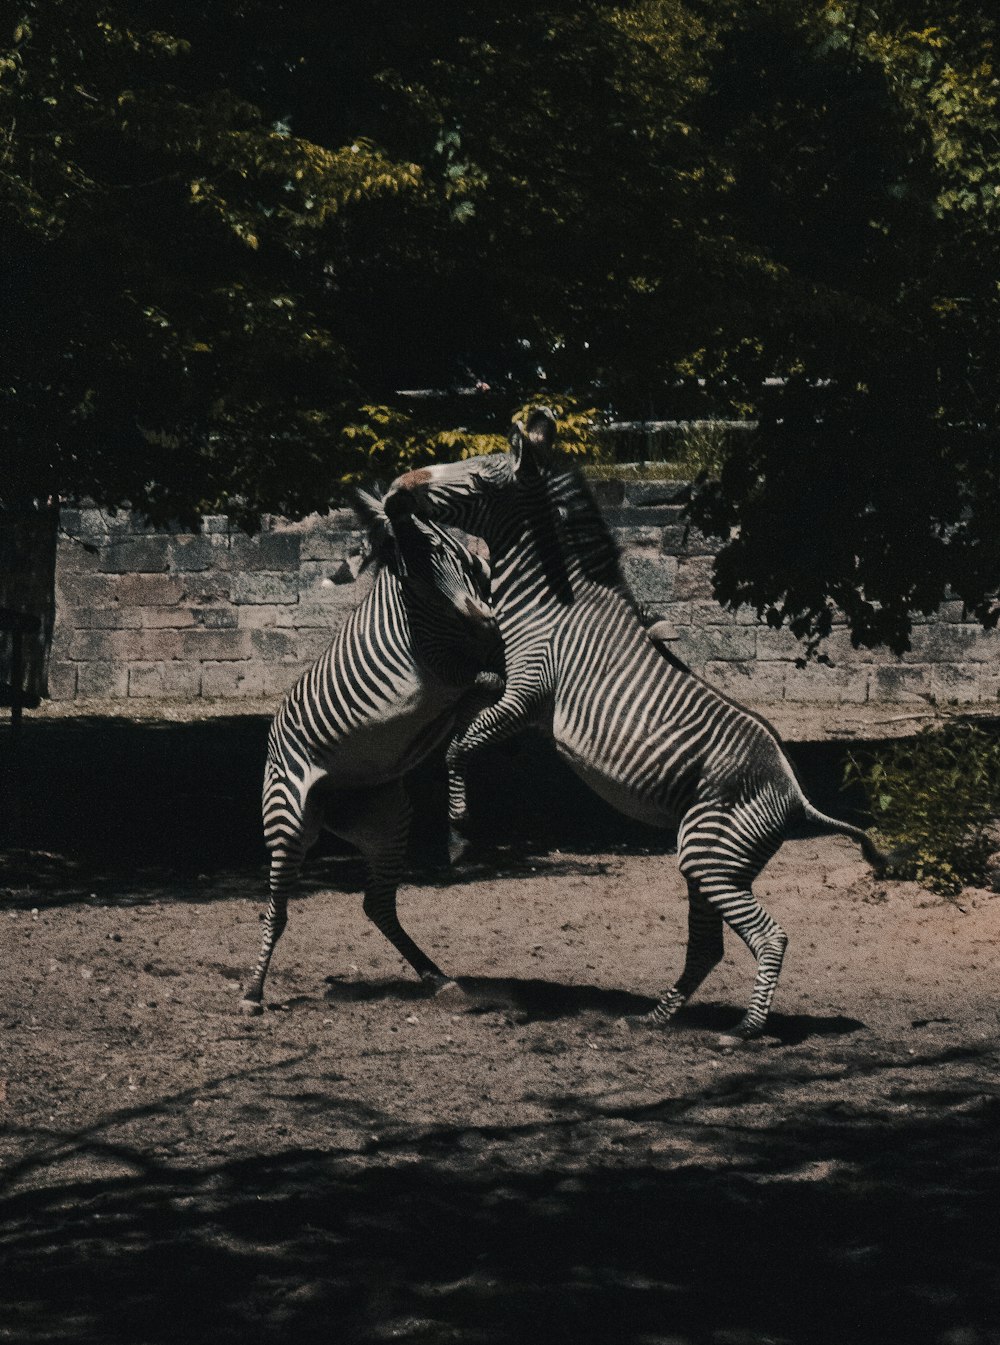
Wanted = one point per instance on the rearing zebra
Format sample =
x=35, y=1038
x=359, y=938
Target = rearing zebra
x=422, y=650
x=635, y=723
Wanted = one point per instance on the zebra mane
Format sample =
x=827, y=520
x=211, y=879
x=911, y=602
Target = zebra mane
x=582, y=531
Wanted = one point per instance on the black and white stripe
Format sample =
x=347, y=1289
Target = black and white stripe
x=634, y=722
x=420, y=654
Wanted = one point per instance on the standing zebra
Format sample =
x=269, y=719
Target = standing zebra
x=387, y=690
x=634, y=722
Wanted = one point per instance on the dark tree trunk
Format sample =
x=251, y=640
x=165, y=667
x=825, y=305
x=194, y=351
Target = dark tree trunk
x=27, y=599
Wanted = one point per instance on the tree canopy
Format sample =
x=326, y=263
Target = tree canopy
x=236, y=231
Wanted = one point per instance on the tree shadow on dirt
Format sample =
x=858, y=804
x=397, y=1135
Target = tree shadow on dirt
x=827, y=1224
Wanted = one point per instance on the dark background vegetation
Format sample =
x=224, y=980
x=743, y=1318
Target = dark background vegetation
x=185, y=796
x=234, y=235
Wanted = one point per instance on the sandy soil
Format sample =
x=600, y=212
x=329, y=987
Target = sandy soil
x=364, y=1164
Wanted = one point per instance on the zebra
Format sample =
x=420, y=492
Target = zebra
x=422, y=649
x=632, y=720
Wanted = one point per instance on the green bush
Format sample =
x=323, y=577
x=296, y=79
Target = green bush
x=932, y=798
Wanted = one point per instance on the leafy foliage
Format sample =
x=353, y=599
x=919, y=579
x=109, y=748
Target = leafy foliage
x=932, y=798
x=237, y=231
x=163, y=338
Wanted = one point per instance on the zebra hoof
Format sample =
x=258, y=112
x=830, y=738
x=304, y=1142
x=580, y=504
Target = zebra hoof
x=732, y=1041
x=458, y=846
x=449, y=994
x=643, y=1022
x=251, y=1006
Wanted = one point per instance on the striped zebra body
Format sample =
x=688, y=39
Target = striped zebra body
x=420, y=654
x=650, y=737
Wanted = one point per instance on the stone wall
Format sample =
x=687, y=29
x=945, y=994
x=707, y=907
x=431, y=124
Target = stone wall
x=151, y=614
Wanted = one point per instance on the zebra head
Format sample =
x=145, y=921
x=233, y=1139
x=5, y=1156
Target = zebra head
x=446, y=585
x=532, y=505
x=469, y=494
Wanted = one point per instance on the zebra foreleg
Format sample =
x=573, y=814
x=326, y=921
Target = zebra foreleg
x=514, y=711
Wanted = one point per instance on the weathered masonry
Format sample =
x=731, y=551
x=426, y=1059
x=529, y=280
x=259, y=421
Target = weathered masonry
x=217, y=614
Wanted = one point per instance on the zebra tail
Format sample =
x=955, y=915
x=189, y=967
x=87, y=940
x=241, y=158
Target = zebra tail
x=877, y=858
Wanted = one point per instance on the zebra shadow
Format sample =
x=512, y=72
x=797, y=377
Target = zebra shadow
x=529, y=1000
x=533, y=999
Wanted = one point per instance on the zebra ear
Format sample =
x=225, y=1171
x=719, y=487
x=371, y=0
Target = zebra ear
x=372, y=513
x=531, y=442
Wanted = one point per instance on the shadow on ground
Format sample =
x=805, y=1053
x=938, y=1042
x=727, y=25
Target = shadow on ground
x=538, y=1000
x=830, y=1224
x=116, y=794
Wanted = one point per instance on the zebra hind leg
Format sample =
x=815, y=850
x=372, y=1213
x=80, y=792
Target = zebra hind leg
x=767, y=941
x=721, y=852
x=704, y=953
x=285, y=866
x=378, y=823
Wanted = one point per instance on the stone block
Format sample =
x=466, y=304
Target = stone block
x=101, y=680
x=215, y=646
x=650, y=578
x=279, y=678
x=87, y=590
x=656, y=494
x=191, y=551
x=160, y=618
x=232, y=680
x=674, y=538
x=179, y=681
x=150, y=590
x=817, y=683
x=103, y=618
x=88, y=525
x=778, y=643
x=206, y=588
x=267, y=551
x=333, y=538
x=265, y=616
x=840, y=651
x=715, y=644
x=136, y=555
x=683, y=539
x=220, y=617
x=694, y=578
x=641, y=538
x=125, y=524
x=748, y=683
x=327, y=574
x=75, y=557
x=264, y=587
x=679, y=613
x=62, y=680
x=901, y=682
x=965, y=682
x=708, y=612
x=949, y=643
x=217, y=525
x=274, y=645
x=607, y=494
x=124, y=646
x=312, y=643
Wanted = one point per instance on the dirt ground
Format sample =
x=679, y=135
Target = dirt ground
x=364, y=1164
